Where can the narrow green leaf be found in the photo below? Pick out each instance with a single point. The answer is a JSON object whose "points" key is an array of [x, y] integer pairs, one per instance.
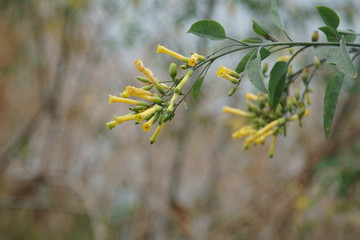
{"points": [[253, 69], [277, 82], [208, 29], [329, 16], [275, 15], [252, 40], [331, 96], [264, 53], [330, 33], [260, 29], [197, 86], [339, 57]]}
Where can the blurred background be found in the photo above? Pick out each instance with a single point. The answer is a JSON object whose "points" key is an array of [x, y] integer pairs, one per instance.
{"points": [[63, 175]]}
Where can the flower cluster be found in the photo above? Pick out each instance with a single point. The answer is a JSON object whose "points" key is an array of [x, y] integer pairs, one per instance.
{"points": [[154, 107], [264, 121]]}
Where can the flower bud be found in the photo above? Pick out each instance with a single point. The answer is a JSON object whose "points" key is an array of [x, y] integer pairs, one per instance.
{"points": [[172, 70], [315, 36], [232, 91], [291, 50], [185, 66], [143, 79], [253, 108], [317, 62], [147, 87], [305, 75]]}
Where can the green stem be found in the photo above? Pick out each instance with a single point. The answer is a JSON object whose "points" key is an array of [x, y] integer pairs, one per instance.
{"points": [[272, 44]]}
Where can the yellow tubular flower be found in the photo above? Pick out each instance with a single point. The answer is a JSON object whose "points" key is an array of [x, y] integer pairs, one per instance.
{"points": [[236, 111], [171, 103], [162, 49], [260, 139], [155, 99], [283, 58], [147, 125], [148, 73], [221, 72], [229, 71], [263, 131], [156, 133], [243, 132], [250, 96], [183, 81], [195, 58], [272, 146], [164, 86], [113, 99], [121, 119], [141, 116], [111, 125], [134, 91], [198, 56]]}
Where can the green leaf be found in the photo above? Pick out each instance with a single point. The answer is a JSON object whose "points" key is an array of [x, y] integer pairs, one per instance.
{"points": [[253, 69], [208, 29], [330, 33], [277, 82], [331, 96], [275, 15], [260, 29], [252, 40], [349, 35], [264, 53], [197, 86], [340, 58], [329, 16]]}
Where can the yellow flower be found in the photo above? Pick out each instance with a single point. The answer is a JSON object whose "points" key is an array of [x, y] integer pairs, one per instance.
{"points": [[148, 73], [250, 96], [134, 91], [156, 133], [272, 146], [147, 125], [225, 73], [171, 103], [261, 139], [113, 99], [192, 61], [162, 49], [121, 119], [236, 111], [145, 114], [284, 58], [141, 93], [263, 132], [195, 58], [111, 125], [183, 81], [229, 71], [243, 132]]}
